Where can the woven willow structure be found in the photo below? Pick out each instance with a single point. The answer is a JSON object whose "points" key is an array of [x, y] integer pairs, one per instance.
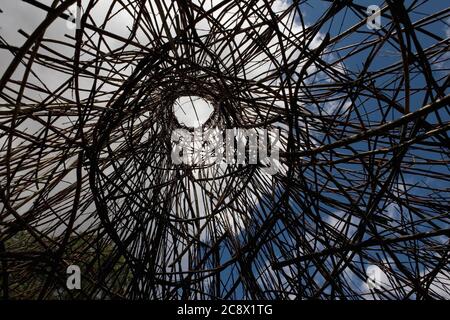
{"points": [[359, 207]]}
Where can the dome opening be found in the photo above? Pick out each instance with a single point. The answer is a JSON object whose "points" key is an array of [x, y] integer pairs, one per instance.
{"points": [[192, 111]]}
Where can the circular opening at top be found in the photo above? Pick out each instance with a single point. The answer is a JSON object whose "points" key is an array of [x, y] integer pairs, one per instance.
{"points": [[192, 111]]}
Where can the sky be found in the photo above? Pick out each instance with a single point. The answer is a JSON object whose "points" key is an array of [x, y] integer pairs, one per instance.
{"points": [[17, 15]]}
